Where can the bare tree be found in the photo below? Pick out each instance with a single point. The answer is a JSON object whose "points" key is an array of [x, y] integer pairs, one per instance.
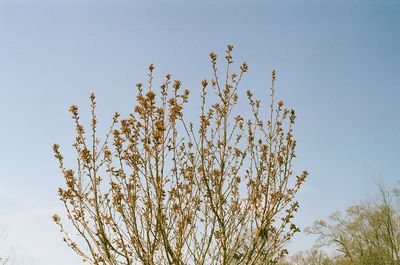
{"points": [[161, 190], [368, 233], [313, 256]]}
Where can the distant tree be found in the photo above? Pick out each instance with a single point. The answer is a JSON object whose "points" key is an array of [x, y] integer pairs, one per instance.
{"points": [[311, 257], [315, 256], [161, 190], [368, 233]]}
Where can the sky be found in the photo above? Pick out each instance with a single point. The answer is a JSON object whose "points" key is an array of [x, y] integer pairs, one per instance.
{"points": [[338, 65]]}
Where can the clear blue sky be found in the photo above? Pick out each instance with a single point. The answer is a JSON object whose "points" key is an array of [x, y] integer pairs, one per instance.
{"points": [[338, 65]]}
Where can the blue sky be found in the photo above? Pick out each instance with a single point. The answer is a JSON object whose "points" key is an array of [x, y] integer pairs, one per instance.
{"points": [[338, 65]]}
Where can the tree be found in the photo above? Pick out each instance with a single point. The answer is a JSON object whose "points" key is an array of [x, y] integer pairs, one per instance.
{"points": [[311, 257], [161, 190], [369, 233]]}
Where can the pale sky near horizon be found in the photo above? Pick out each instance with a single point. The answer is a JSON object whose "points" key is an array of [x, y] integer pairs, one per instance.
{"points": [[338, 65]]}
